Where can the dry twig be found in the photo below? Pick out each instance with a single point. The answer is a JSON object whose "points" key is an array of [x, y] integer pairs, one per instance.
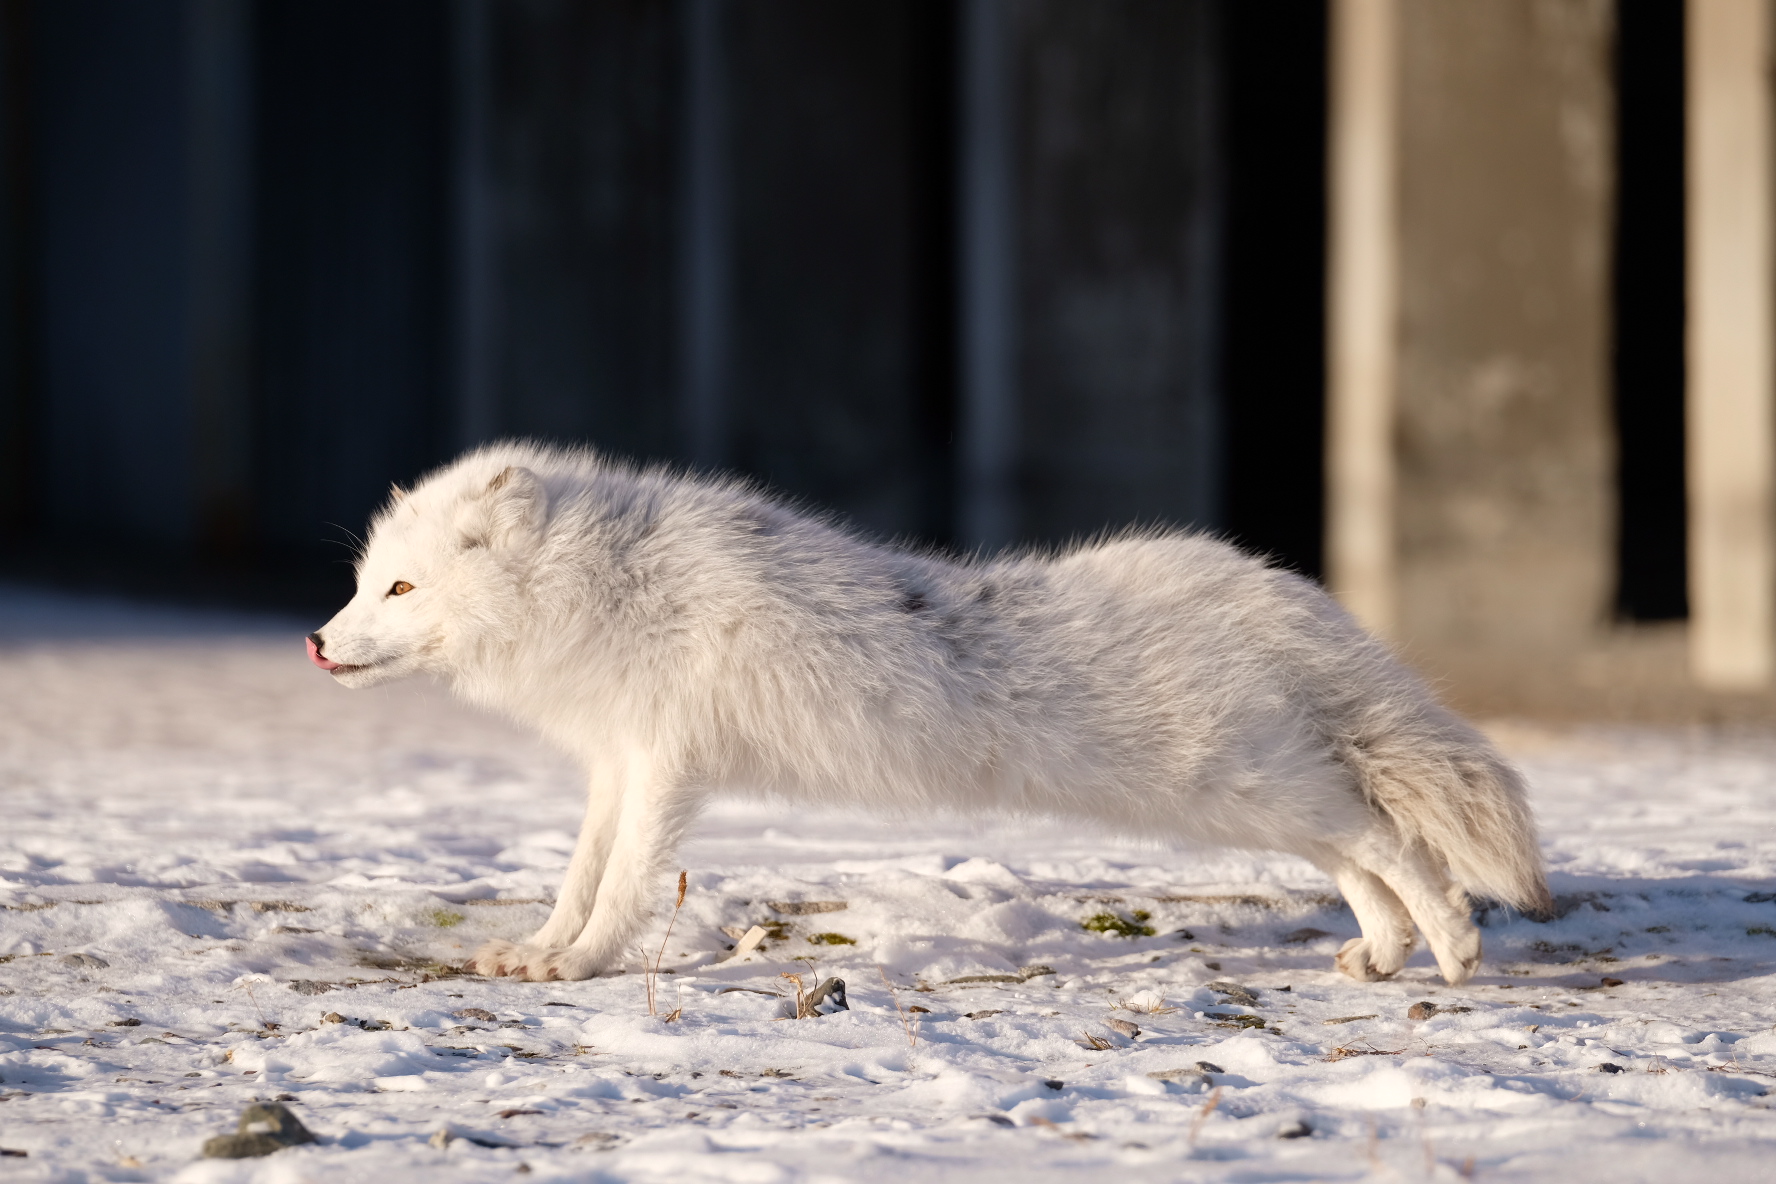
{"points": [[1202, 1115], [651, 974], [905, 1020]]}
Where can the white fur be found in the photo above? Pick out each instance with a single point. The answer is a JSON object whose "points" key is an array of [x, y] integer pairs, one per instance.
{"points": [[682, 636]]}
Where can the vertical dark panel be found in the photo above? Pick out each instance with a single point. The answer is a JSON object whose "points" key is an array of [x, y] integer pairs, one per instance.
{"points": [[18, 395], [841, 385], [582, 150], [351, 242], [1649, 312], [114, 431], [933, 288], [1120, 232], [1273, 55]]}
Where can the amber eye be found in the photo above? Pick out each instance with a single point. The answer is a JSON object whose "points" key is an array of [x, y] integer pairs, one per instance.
{"points": [[400, 588]]}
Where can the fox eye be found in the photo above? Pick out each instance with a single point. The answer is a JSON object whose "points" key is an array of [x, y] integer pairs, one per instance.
{"points": [[400, 588]]}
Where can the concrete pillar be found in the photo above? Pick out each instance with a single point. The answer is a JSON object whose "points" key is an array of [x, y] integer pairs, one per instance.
{"points": [[1470, 450], [1362, 322], [1731, 436]]}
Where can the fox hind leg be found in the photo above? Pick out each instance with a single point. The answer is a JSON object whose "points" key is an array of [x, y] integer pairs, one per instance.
{"points": [[1387, 925]]}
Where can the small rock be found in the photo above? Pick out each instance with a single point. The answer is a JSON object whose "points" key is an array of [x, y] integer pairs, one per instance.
{"points": [[1424, 1009], [333, 1017], [475, 1013], [1294, 1130], [1209, 1067], [1612, 982], [804, 908], [13, 1153], [131, 1022], [1302, 937], [915, 1009], [1125, 1027], [997, 1119], [981, 1015], [1053, 1083], [84, 961], [1184, 935], [1234, 993], [264, 1128], [1034, 970], [1606, 1067], [303, 986], [825, 999]]}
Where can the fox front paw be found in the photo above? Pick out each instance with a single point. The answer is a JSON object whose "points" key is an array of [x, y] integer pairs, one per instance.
{"points": [[509, 959], [531, 963], [1358, 958]]}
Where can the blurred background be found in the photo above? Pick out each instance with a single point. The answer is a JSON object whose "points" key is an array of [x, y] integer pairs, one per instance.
{"points": [[1463, 306]]}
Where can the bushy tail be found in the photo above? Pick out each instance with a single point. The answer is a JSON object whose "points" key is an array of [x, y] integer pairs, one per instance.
{"points": [[1444, 784]]}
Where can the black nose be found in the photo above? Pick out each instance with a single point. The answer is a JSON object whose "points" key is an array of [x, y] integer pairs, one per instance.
{"points": [[318, 643]]}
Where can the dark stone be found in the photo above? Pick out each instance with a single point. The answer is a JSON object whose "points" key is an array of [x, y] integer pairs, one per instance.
{"points": [[1235, 993], [1210, 1067], [303, 986], [1606, 1067], [1295, 1130], [1612, 982], [1052, 1083], [264, 1128], [475, 1013]]}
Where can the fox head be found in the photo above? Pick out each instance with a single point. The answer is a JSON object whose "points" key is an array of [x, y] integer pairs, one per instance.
{"points": [[439, 577]]}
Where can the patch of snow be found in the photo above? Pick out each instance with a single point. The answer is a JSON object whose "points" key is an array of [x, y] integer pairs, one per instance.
{"points": [[223, 878]]}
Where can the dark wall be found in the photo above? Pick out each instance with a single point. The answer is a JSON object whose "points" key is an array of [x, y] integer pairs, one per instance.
{"points": [[110, 178], [353, 204], [581, 157], [1120, 205], [839, 199], [467, 221]]}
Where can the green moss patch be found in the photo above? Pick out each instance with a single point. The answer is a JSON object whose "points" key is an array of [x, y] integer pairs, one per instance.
{"points": [[1134, 925]]}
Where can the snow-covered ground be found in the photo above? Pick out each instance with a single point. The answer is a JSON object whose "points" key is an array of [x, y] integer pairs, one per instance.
{"points": [[205, 848]]}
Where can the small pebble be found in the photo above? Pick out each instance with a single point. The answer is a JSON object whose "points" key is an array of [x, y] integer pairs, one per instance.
{"points": [[264, 1128], [1424, 1009], [1606, 1067], [1612, 982], [1051, 1083], [84, 961], [1210, 1067], [469, 1013], [1234, 993], [303, 986], [1126, 1028], [1294, 1130]]}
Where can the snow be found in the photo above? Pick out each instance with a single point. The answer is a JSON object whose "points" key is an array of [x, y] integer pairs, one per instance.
{"points": [[196, 810]]}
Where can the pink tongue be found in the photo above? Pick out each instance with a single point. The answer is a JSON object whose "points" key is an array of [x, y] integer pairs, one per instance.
{"points": [[314, 655]]}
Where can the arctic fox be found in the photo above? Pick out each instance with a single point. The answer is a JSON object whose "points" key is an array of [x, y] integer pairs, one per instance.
{"points": [[682, 636]]}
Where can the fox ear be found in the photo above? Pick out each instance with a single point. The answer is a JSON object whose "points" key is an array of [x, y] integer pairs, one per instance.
{"points": [[507, 513]]}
